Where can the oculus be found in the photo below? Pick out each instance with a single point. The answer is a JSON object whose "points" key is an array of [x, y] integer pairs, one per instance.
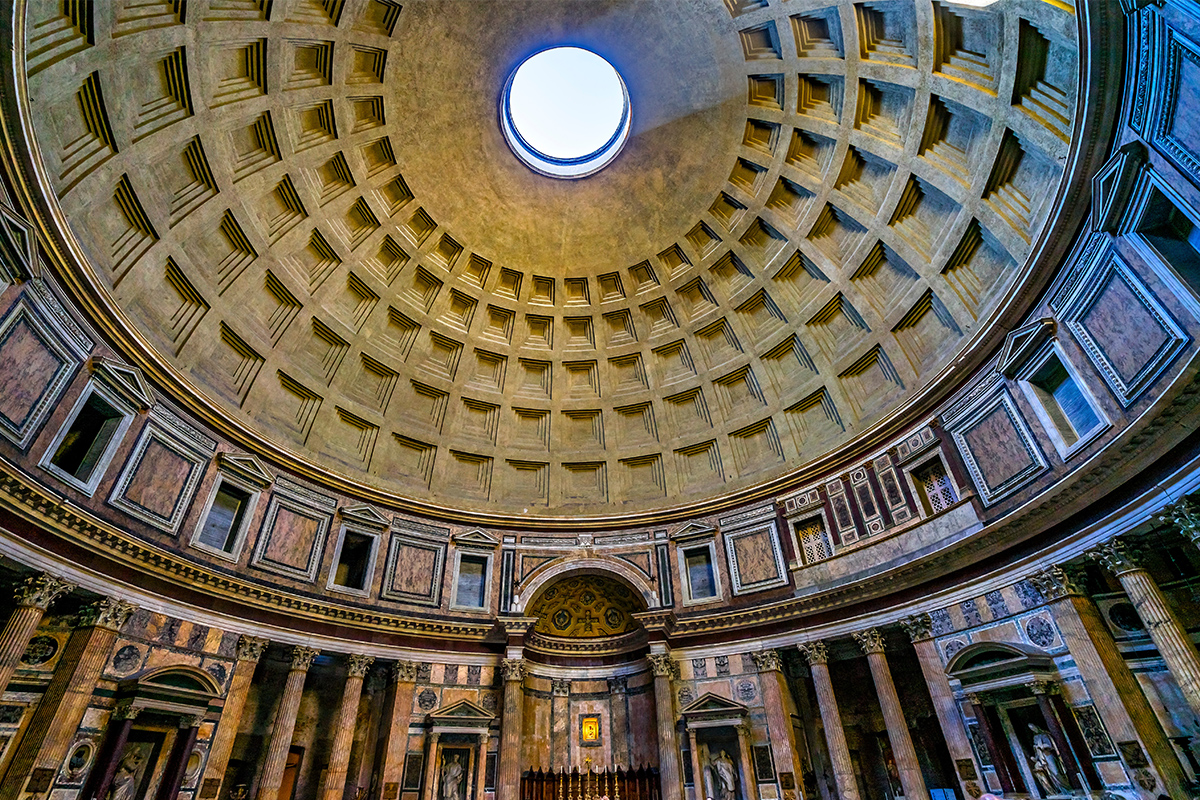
{"points": [[565, 112]]}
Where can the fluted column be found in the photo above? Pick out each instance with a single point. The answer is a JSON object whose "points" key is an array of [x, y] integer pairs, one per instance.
{"points": [[1168, 633], [509, 783], [431, 766], [665, 668], [784, 748], [285, 724], [343, 733], [831, 720], [185, 740], [999, 753], [249, 651], [481, 766], [560, 697], [33, 596], [893, 716], [618, 708], [1116, 692], [58, 714], [919, 628], [396, 718]]}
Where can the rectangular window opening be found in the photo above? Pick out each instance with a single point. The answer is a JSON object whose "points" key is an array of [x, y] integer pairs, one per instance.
{"points": [[88, 437], [472, 578], [702, 578], [1064, 401], [814, 540], [934, 487], [1173, 234], [225, 517], [354, 560]]}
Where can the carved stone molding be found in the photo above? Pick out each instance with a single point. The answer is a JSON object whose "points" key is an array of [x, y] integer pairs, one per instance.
{"points": [[767, 661], [618, 685], [560, 687], [107, 613], [870, 640], [39, 591], [1114, 557], [918, 626], [1184, 515], [250, 648], [359, 665], [1042, 687], [513, 668], [302, 657], [126, 711], [814, 652], [404, 672]]}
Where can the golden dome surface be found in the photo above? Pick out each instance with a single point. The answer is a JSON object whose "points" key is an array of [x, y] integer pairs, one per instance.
{"points": [[303, 220]]}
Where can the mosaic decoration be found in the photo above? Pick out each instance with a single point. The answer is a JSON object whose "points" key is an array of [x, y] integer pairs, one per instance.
{"points": [[584, 607]]}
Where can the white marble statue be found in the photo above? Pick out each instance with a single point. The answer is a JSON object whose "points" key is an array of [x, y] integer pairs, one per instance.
{"points": [[723, 776], [1046, 764], [452, 779]]}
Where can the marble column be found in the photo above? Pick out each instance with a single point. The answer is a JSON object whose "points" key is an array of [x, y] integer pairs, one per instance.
{"points": [[481, 766], [396, 718], [919, 628], [831, 720], [618, 709], [104, 768], [34, 595], [343, 732], [185, 740], [249, 651], [1168, 633], [560, 699], [784, 748], [508, 783], [745, 744], [903, 751], [431, 765], [52, 727], [1000, 755], [669, 773], [285, 724], [699, 791], [1115, 690]]}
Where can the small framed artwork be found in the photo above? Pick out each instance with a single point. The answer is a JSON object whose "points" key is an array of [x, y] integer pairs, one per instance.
{"points": [[589, 730]]}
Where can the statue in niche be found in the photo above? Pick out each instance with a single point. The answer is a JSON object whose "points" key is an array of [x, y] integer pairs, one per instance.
{"points": [[125, 781], [723, 777], [452, 779], [1046, 765]]}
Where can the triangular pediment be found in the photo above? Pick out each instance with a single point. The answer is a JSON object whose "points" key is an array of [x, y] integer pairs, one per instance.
{"points": [[713, 706], [464, 711], [1022, 343], [16, 244], [692, 529], [1113, 185], [476, 538], [246, 467], [129, 382], [365, 515]]}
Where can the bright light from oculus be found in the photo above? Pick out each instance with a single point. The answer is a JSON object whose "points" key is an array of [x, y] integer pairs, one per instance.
{"points": [[565, 112]]}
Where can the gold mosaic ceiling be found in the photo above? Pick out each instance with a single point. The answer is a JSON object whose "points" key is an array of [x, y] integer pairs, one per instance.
{"points": [[585, 607], [306, 210]]}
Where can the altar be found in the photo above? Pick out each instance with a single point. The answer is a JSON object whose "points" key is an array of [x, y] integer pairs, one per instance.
{"points": [[456, 752]]}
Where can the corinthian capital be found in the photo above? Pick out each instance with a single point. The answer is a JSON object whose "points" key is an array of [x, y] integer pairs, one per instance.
{"points": [[1114, 557], [663, 666], [39, 591], [767, 661], [1184, 515], [302, 657], [250, 648], [1054, 583], [814, 652], [404, 671], [918, 626], [513, 669], [357, 665], [107, 613], [870, 640], [560, 687]]}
